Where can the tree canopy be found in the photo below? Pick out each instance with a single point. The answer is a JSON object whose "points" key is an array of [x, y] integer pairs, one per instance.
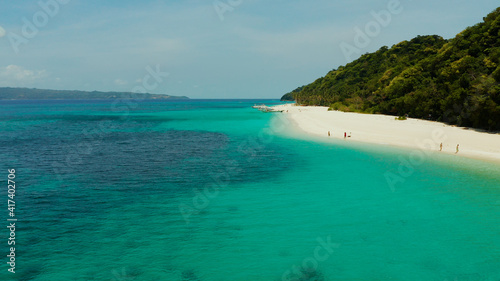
{"points": [[456, 81]]}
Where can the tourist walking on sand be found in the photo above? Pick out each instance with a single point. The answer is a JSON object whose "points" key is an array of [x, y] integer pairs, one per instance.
{"points": [[457, 148], [345, 135], [441, 147], [328, 133]]}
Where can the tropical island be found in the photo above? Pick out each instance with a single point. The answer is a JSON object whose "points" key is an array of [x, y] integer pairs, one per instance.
{"points": [[427, 94], [455, 81], [7, 93]]}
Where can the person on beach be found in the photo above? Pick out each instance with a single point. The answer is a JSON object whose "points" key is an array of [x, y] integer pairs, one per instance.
{"points": [[328, 133], [457, 148], [345, 135], [441, 147]]}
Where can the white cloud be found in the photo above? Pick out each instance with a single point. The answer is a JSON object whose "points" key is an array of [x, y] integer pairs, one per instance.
{"points": [[18, 76], [120, 82], [2, 32]]}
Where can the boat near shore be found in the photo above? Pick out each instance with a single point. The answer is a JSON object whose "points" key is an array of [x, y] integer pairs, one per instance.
{"points": [[265, 108]]}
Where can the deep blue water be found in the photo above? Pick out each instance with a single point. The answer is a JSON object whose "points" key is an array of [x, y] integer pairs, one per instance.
{"points": [[213, 190]]}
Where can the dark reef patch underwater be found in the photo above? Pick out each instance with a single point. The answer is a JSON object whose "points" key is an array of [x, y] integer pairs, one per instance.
{"points": [[205, 190]]}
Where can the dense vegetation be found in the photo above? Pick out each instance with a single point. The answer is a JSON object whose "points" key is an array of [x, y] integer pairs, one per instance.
{"points": [[455, 81], [37, 94], [289, 96]]}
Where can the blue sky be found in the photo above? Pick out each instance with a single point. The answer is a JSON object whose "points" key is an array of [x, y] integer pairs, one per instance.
{"points": [[210, 49]]}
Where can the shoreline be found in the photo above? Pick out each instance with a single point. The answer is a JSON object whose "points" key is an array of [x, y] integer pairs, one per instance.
{"points": [[385, 130]]}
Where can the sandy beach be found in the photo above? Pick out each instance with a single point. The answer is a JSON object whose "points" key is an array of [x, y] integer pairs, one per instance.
{"points": [[385, 130]]}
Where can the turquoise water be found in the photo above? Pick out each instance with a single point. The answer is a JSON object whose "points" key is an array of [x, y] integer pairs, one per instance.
{"points": [[214, 190]]}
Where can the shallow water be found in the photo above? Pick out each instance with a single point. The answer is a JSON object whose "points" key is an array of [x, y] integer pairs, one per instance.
{"points": [[209, 190]]}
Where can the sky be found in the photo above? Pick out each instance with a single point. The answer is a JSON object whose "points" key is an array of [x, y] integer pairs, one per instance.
{"points": [[208, 49]]}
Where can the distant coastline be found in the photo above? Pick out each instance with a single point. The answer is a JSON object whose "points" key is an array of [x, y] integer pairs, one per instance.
{"points": [[7, 93]]}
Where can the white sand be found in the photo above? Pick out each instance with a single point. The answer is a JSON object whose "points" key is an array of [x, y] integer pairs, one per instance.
{"points": [[384, 129]]}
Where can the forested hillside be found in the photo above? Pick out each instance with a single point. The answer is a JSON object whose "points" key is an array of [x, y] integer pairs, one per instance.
{"points": [[455, 81]]}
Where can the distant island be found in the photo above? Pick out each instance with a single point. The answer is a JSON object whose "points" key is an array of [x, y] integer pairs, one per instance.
{"points": [[7, 93], [456, 81]]}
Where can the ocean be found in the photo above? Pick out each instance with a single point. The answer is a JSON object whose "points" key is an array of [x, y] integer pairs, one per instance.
{"points": [[213, 190]]}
